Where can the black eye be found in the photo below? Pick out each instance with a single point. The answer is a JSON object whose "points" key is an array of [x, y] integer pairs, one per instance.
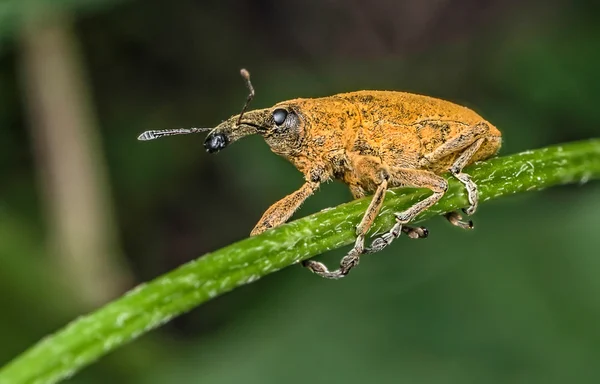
{"points": [[279, 116]]}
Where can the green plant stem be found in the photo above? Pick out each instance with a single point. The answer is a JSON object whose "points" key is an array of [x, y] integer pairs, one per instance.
{"points": [[151, 304]]}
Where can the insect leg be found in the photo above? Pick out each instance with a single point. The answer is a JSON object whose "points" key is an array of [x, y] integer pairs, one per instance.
{"points": [[468, 142], [464, 178], [353, 257], [456, 219], [282, 210], [456, 144], [411, 178]]}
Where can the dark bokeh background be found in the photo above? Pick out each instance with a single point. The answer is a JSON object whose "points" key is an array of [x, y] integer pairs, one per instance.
{"points": [[86, 211]]}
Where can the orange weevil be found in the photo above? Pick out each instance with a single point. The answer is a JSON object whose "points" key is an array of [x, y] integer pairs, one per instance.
{"points": [[370, 140]]}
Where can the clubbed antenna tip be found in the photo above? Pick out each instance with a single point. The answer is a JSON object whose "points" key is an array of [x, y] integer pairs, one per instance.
{"points": [[246, 75]]}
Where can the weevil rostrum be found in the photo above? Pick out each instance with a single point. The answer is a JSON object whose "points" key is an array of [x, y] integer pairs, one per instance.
{"points": [[371, 141]]}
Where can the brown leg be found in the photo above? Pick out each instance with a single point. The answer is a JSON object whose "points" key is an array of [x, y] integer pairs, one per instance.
{"points": [[282, 210], [456, 219], [464, 178], [456, 144], [411, 178], [473, 195], [415, 232], [353, 257], [411, 232], [469, 143]]}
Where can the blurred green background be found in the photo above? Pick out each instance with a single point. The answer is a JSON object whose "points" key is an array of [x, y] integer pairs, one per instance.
{"points": [[87, 212]]}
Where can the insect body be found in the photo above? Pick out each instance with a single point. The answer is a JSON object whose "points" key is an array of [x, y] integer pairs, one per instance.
{"points": [[370, 140]]}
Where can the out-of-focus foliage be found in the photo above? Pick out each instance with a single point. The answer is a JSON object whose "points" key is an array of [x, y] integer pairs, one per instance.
{"points": [[14, 13], [514, 300]]}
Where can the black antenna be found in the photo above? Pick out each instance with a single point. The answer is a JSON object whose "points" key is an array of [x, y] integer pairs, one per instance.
{"points": [[246, 75], [151, 135]]}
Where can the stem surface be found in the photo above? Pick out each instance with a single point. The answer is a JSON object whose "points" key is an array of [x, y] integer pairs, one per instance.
{"points": [[151, 304]]}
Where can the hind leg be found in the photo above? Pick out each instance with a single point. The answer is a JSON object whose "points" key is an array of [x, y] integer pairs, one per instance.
{"points": [[456, 170], [467, 143]]}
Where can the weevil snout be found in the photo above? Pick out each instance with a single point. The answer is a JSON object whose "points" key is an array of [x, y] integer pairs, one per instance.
{"points": [[215, 142]]}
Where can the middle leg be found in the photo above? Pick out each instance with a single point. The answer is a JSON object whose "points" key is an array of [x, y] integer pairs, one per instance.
{"points": [[368, 171], [412, 232], [409, 177], [353, 257]]}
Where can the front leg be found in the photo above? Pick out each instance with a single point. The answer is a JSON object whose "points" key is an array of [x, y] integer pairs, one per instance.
{"points": [[282, 210]]}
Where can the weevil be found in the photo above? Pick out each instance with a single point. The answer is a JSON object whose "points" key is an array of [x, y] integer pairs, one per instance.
{"points": [[369, 140]]}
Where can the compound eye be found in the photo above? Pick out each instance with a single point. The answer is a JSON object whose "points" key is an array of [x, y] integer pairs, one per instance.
{"points": [[279, 116]]}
